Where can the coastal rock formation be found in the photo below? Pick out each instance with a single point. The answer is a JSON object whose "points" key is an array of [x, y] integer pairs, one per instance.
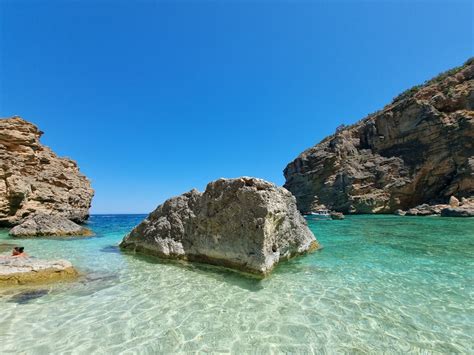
{"points": [[426, 210], [418, 149], [21, 271], [34, 180], [467, 211], [40, 225], [246, 223], [336, 215], [455, 208]]}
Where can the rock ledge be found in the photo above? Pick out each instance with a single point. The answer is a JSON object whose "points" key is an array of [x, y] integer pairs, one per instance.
{"points": [[21, 271], [45, 225]]}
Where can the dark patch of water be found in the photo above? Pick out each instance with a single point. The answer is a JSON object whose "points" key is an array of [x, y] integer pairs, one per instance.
{"points": [[111, 249], [28, 296]]}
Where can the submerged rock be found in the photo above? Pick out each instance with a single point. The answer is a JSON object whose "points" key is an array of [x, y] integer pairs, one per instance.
{"points": [[46, 225], [21, 271], [418, 149], [35, 180], [245, 223]]}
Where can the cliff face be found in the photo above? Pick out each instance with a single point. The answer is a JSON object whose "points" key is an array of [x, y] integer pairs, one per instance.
{"points": [[418, 149], [34, 180]]}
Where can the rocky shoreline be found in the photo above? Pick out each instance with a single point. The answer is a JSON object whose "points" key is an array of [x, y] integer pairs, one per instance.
{"points": [[455, 208]]}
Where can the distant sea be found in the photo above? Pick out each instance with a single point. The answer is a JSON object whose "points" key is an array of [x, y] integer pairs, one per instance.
{"points": [[381, 284]]}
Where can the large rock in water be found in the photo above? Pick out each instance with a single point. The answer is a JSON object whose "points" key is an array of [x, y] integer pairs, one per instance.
{"points": [[34, 180], [22, 271], [246, 224], [418, 149], [48, 225]]}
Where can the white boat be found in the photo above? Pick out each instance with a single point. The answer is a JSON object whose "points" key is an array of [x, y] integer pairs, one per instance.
{"points": [[320, 214]]}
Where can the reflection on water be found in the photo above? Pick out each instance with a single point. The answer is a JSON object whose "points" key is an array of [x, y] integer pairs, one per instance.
{"points": [[382, 283]]}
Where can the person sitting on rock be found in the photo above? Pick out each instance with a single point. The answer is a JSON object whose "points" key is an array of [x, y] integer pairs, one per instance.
{"points": [[19, 252]]}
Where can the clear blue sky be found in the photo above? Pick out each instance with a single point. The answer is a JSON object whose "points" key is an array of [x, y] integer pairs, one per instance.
{"points": [[153, 98]]}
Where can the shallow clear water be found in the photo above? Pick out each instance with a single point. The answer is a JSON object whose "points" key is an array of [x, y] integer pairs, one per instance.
{"points": [[382, 283]]}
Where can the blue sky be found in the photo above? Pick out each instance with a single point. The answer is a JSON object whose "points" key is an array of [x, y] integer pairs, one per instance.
{"points": [[153, 98]]}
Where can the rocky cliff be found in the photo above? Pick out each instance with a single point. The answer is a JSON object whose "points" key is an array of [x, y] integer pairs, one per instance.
{"points": [[34, 180], [418, 149]]}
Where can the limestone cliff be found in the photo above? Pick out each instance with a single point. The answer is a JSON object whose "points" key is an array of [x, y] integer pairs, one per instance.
{"points": [[34, 180], [418, 149]]}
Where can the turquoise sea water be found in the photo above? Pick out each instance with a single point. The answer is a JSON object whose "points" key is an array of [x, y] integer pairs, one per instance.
{"points": [[382, 283]]}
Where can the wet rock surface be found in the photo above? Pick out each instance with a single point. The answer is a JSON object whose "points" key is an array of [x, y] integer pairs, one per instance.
{"points": [[34, 180], [418, 150], [246, 224]]}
